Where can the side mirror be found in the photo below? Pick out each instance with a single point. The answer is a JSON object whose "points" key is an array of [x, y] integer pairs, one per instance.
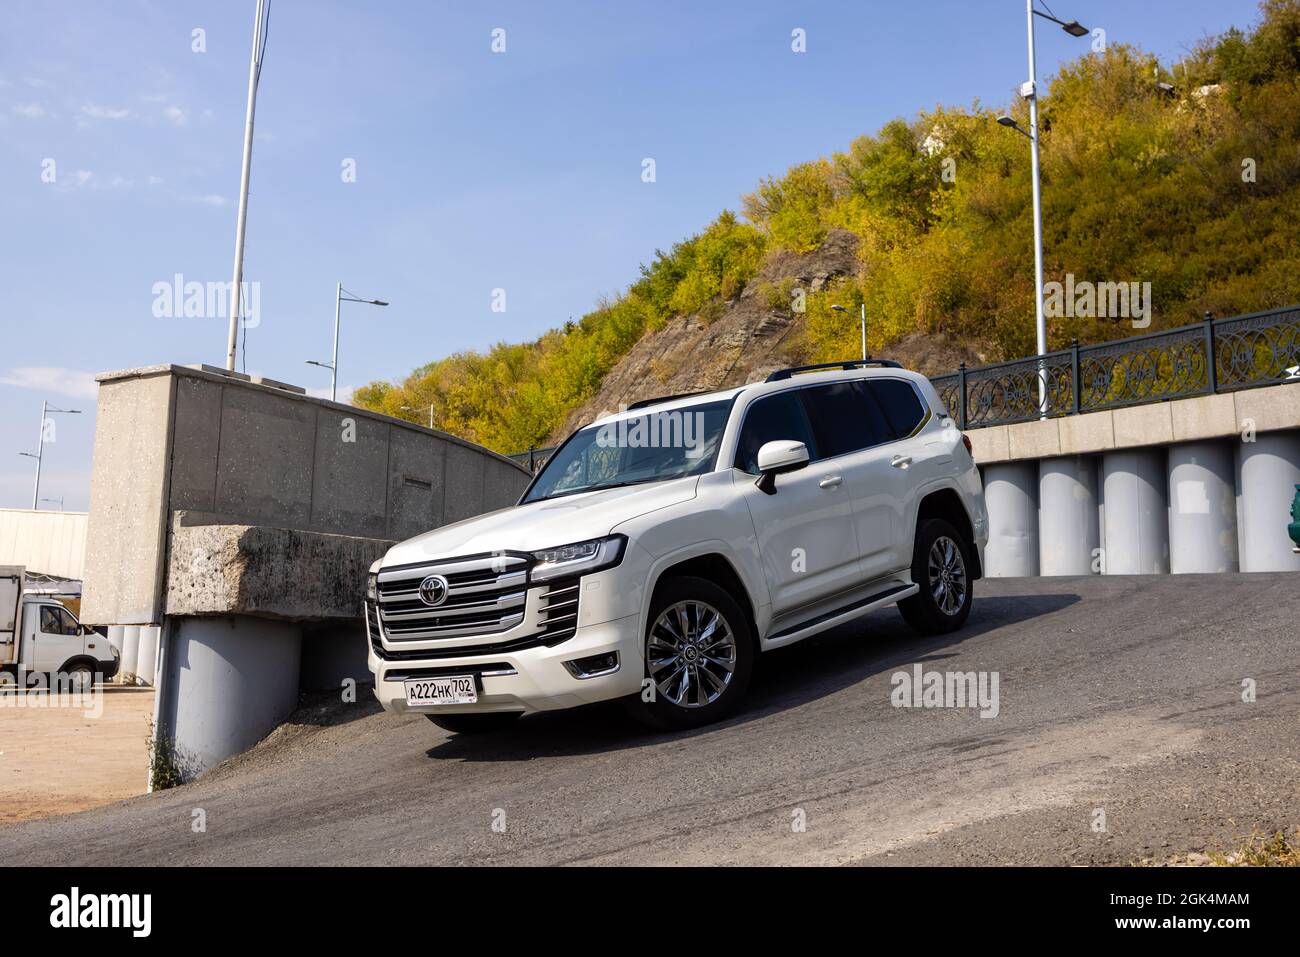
{"points": [[775, 458]]}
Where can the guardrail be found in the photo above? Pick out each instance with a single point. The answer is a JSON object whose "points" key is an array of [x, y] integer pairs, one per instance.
{"points": [[1216, 355]]}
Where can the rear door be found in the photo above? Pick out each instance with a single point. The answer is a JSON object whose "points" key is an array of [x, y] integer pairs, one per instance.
{"points": [[853, 433], [916, 455], [806, 535], [11, 594]]}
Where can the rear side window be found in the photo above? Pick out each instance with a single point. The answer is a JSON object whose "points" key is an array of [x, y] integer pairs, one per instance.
{"points": [[844, 419], [772, 419], [900, 403]]}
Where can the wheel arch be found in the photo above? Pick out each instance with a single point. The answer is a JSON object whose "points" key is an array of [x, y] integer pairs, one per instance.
{"points": [[946, 503], [718, 569]]}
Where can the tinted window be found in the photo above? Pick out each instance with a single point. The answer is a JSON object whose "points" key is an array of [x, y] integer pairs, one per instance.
{"points": [[844, 419], [771, 419], [900, 404]]}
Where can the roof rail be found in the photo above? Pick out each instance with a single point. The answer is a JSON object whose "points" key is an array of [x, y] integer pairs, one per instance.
{"points": [[780, 374], [662, 399]]}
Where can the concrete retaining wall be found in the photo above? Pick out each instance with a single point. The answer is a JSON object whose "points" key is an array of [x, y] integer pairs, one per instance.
{"points": [[245, 453]]}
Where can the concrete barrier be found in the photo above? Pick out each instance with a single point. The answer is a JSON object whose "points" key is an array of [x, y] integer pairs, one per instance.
{"points": [[241, 516]]}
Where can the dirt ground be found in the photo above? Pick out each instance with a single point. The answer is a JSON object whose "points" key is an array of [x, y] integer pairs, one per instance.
{"points": [[60, 760]]}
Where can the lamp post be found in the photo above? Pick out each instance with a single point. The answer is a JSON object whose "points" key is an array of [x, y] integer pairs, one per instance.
{"points": [[46, 409], [413, 408], [1030, 92], [839, 308], [333, 365]]}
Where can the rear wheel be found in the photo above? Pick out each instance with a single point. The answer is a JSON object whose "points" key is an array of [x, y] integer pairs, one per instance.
{"points": [[475, 723], [699, 654], [940, 566]]}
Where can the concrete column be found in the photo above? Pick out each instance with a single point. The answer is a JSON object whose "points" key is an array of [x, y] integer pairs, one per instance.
{"points": [[148, 655], [227, 683], [1137, 515], [115, 636], [1202, 508], [1068, 529], [1268, 471], [130, 652], [1011, 497]]}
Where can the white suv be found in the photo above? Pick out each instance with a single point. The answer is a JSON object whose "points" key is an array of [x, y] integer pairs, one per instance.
{"points": [[662, 549]]}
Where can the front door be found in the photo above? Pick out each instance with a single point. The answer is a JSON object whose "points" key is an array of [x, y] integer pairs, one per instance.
{"points": [[805, 531], [54, 640]]}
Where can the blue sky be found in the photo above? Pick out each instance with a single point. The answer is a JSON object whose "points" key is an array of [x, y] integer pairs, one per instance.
{"points": [[475, 170]]}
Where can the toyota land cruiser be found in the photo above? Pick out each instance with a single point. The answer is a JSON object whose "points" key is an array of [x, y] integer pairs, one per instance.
{"points": [[663, 548]]}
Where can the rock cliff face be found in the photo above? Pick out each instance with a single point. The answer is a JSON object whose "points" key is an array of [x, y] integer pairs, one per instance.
{"points": [[747, 338]]}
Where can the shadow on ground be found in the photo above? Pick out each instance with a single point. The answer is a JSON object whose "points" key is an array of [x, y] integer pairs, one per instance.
{"points": [[784, 679]]}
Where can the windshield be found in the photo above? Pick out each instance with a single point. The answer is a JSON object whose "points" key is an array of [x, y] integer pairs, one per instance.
{"points": [[644, 448]]}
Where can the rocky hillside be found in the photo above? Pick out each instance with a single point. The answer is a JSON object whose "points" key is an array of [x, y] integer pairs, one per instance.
{"points": [[750, 336]]}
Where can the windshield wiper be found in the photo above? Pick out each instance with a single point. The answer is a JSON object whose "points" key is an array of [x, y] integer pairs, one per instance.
{"points": [[602, 486]]}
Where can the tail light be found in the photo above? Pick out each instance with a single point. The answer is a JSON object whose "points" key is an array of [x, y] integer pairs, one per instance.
{"points": [[965, 440]]}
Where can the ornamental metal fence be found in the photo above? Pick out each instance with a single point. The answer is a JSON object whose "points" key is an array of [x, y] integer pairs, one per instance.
{"points": [[1213, 356]]}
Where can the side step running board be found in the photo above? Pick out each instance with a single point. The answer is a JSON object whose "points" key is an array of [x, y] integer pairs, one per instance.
{"points": [[836, 616]]}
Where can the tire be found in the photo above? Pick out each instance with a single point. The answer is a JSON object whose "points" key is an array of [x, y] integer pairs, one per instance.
{"points": [[941, 562], [475, 723], [691, 687], [80, 677]]}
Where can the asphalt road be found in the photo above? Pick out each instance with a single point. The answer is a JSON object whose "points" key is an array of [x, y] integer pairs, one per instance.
{"points": [[1120, 696]]}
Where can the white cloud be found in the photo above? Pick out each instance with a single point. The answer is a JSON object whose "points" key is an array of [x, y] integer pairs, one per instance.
{"points": [[345, 393], [33, 110], [104, 112], [54, 380], [83, 176], [177, 115], [211, 199]]}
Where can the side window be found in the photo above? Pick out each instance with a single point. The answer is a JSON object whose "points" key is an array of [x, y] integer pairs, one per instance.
{"points": [[844, 419], [56, 621], [772, 419], [900, 403]]}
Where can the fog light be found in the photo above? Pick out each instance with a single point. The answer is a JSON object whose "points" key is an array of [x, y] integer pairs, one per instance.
{"points": [[594, 666]]}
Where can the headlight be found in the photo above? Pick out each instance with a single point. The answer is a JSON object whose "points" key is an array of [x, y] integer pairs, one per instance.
{"points": [[580, 558], [372, 586]]}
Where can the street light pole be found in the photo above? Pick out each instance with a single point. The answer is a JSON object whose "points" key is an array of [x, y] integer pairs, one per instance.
{"points": [[40, 449], [864, 330], [254, 75], [1040, 320], [334, 363]]}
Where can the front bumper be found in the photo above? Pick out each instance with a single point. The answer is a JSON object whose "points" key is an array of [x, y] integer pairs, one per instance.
{"points": [[540, 680]]}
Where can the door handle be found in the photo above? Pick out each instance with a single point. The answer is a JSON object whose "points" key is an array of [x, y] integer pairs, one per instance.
{"points": [[901, 461], [831, 481]]}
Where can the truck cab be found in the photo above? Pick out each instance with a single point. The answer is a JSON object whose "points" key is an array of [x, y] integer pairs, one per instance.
{"points": [[39, 636]]}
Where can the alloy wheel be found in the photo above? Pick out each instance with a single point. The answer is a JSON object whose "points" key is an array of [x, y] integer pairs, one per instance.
{"points": [[947, 572], [691, 654]]}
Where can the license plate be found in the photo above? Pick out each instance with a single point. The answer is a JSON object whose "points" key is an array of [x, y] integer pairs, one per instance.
{"points": [[453, 689]]}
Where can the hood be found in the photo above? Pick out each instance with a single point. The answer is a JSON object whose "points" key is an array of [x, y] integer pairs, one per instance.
{"points": [[545, 524]]}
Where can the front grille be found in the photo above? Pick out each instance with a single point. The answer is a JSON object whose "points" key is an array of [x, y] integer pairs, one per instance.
{"points": [[486, 595]]}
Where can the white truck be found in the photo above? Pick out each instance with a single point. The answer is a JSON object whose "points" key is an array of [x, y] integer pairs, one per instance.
{"points": [[40, 637]]}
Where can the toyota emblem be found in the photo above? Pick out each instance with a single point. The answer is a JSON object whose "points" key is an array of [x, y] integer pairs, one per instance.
{"points": [[433, 590]]}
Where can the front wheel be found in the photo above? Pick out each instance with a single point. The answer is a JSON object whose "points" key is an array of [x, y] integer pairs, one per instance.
{"points": [[940, 566], [699, 654]]}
